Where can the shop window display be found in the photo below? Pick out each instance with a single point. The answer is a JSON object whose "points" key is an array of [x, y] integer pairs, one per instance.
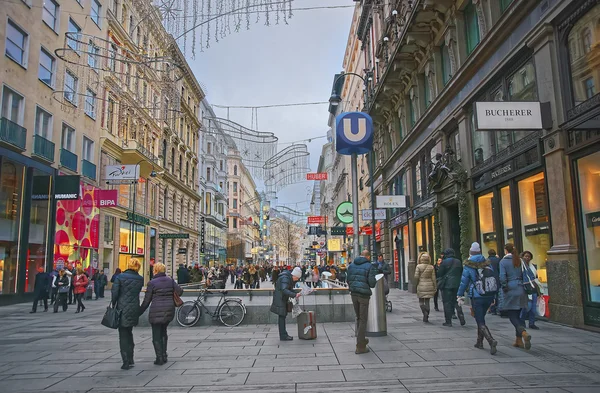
{"points": [[38, 228], [131, 246], [419, 236], [535, 227], [486, 223], [583, 55], [507, 221], [11, 185], [589, 185]]}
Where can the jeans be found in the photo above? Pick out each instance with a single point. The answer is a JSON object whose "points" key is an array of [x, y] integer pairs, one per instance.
{"points": [[514, 316], [480, 306], [450, 302], [78, 299], [529, 312], [361, 309], [40, 296], [61, 298], [281, 324]]}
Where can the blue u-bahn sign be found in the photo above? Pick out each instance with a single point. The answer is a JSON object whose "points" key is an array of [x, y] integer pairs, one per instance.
{"points": [[354, 133]]}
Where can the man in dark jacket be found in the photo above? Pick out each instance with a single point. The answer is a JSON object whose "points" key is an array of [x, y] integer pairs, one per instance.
{"points": [[183, 275], [40, 289], [449, 274], [284, 290], [126, 298], [361, 278], [495, 263]]}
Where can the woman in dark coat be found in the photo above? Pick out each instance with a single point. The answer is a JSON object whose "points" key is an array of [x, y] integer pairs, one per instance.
{"points": [[126, 298], [284, 290], [162, 311], [61, 282]]}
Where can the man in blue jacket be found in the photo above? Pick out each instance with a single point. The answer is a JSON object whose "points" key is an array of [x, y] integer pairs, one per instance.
{"points": [[361, 278]]}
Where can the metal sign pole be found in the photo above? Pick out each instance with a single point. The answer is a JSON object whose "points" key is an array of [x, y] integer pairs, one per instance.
{"points": [[354, 168], [373, 220]]}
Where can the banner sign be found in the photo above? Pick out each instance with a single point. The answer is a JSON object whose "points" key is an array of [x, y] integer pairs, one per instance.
{"points": [[182, 251], [316, 220], [122, 172], [537, 229], [367, 214], [316, 176], [105, 198], [338, 231], [67, 188], [139, 219], [391, 201], [173, 235], [498, 115], [396, 267], [366, 230]]}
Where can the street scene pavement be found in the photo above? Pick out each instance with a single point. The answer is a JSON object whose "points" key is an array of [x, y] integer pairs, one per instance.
{"points": [[68, 352]]}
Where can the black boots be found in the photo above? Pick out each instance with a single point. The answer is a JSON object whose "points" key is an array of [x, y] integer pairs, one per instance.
{"points": [[488, 336], [461, 316], [425, 311], [479, 343], [158, 350], [126, 364], [165, 339]]}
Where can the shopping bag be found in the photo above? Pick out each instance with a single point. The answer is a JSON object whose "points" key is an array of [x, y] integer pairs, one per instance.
{"points": [[296, 310], [540, 306], [112, 318]]}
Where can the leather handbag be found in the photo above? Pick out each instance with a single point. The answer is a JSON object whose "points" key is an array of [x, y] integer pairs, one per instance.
{"points": [[176, 298], [112, 317], [63, 289]]}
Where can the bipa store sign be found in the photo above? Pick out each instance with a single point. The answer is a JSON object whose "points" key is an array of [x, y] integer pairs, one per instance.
{"points": [[122, 172], [105, 198]]}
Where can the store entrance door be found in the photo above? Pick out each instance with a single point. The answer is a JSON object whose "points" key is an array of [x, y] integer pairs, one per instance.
{"points": [[454, 221]]}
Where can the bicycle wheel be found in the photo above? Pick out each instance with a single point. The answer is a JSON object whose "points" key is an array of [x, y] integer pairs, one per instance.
{"points": [[231, 313], [188, 314]]}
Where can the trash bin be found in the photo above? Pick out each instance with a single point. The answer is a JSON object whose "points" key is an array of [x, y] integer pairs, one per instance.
{"points": [[376, 318]]}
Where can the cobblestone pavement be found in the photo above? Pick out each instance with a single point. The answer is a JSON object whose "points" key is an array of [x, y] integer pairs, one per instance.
{"points": [[68, 352]]}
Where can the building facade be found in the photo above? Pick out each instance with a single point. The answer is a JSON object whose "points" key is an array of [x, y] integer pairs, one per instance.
{"points": [[431, 62]]}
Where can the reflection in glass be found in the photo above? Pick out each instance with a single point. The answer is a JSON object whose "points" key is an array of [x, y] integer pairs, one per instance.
{"points": [[522, 87], [583, 54], [419, 235], [482, 143], [589, 187], [38, 228], [485, 204], [507, 223], [11, 184]]}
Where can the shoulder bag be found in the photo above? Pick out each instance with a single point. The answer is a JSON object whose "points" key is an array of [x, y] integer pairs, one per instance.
{"points": [[176, 298], [530, 286], [112, 317]]}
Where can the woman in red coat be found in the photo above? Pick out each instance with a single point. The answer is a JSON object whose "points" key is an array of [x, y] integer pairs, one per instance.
{"points": [[80, 283]]}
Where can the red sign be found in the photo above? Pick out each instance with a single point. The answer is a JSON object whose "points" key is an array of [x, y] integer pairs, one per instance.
{"points": [[124, 249], [396, 268], [316, 220], [316, 176], [140, 251], [378, 231], [105, 198], [366, 230]]}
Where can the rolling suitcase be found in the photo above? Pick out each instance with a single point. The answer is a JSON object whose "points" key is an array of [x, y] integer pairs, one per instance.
{"points": [[307, 325], [88, 292]]}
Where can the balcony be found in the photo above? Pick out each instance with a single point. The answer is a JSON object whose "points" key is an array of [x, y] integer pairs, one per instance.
{"points": [[134, 151], [68, 160], [43, 148], [12, 134], [88, 169]]}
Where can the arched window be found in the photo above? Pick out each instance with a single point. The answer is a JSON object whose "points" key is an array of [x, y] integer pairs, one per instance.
{"points": [[165, 203], [164, 151], [181, 211], [173, 206], [180, 163], [187, 172], [235, 170], [172, 160]]}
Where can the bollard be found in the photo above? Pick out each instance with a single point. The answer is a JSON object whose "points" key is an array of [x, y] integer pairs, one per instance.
{"points": [[377, 319]]}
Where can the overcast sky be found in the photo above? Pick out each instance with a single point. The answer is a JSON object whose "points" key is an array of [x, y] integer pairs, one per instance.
{"points": [[280, 64]]}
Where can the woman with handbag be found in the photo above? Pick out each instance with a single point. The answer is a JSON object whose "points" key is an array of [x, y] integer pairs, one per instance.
{"points": [[80, 283], [62, 283], [514, 296], [162, 295], [530, 280]]}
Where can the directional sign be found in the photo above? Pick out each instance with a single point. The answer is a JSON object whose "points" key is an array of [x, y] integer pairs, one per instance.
{"points": [[316, 220], [354, 132]]}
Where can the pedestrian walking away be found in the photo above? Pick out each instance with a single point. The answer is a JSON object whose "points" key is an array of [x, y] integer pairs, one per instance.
{"points": [[62, 283], [481, 295], [448, 279], [361, 278], [70, 272], [495, 263], [126, 298], [160, 297], [80, 282], [100, 282], [40, 289], [530, 275], [284, 291], [115, 275], [514, 296], [426, 283]]}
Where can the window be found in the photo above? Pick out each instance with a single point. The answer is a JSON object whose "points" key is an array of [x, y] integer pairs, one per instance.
{"points": [[209, 148], [471, 27], [110, 118], [112, 55], [50, 14], [90, 104], [482, 143], [454, 142], [446, 66], [115, 7], [16, 43], [235, 187], [88, 149], [71, 82], [67, 138], [207, 174], [235, 170], [590, 89], [426, 92], [47, 67], [13, 105], [43, 123], [411, 109], [93, 52], [504, 4], [418, 182], [235, 223], [586, 40], [235, 203], [221, 165], [73, 37], [95, 11]]}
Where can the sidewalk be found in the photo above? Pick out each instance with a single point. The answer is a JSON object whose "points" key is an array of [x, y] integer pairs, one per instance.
{"points": [[68, 352]]}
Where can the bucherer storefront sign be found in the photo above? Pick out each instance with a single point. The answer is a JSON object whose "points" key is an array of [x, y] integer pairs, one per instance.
{"points": [[491, 116]]}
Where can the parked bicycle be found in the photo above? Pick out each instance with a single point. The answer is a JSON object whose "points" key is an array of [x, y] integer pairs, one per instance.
{"points": [[230, 311]]}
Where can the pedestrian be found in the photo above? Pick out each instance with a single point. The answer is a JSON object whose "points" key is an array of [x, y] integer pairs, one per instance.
{"points": [[436, 296], [275, 274], [80, 282], [101, 281], [361, 278], [53, 288], [316, 277], [126, 298], [515, 298], [495, 263], [232, 274], [183, 275], [284, 290], [448, 280], [160, 297], [426, 283], [115, 275], [262, 273], [530, 270], [343, 274], [480, 302], [40, 289], [62, 283], [384, 268], [70, 272]]}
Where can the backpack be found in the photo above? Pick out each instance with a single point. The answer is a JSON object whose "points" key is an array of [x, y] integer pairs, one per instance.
{"points": [[486, 281]]}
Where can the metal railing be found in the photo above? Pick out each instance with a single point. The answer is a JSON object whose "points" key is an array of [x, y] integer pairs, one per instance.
{"points": [[43, 148], [88, 169], [68, 159], [12, 133]]}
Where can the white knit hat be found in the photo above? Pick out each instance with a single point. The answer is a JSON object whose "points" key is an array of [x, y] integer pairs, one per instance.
{"points": [[475, 248], [297, 272]]}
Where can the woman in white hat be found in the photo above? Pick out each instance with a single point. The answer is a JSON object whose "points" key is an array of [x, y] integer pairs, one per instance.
{"points": [[284, 290]]}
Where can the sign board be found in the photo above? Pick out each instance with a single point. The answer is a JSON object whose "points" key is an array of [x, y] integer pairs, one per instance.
{"points": [[138, 218], [354, 133], [338, 231], [390, 201], [139, 251], [344, 212], [202, 233], [124, 248], [593, 219], [490, 116], [396, 267], [182, 251], [105, 198], [40, 189], [334, 245], [537, 229], [366, 230], [367, 214], [67, 188], [122, 172], [173, 235], [316, 176], [316, 220], [313, 231]]}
